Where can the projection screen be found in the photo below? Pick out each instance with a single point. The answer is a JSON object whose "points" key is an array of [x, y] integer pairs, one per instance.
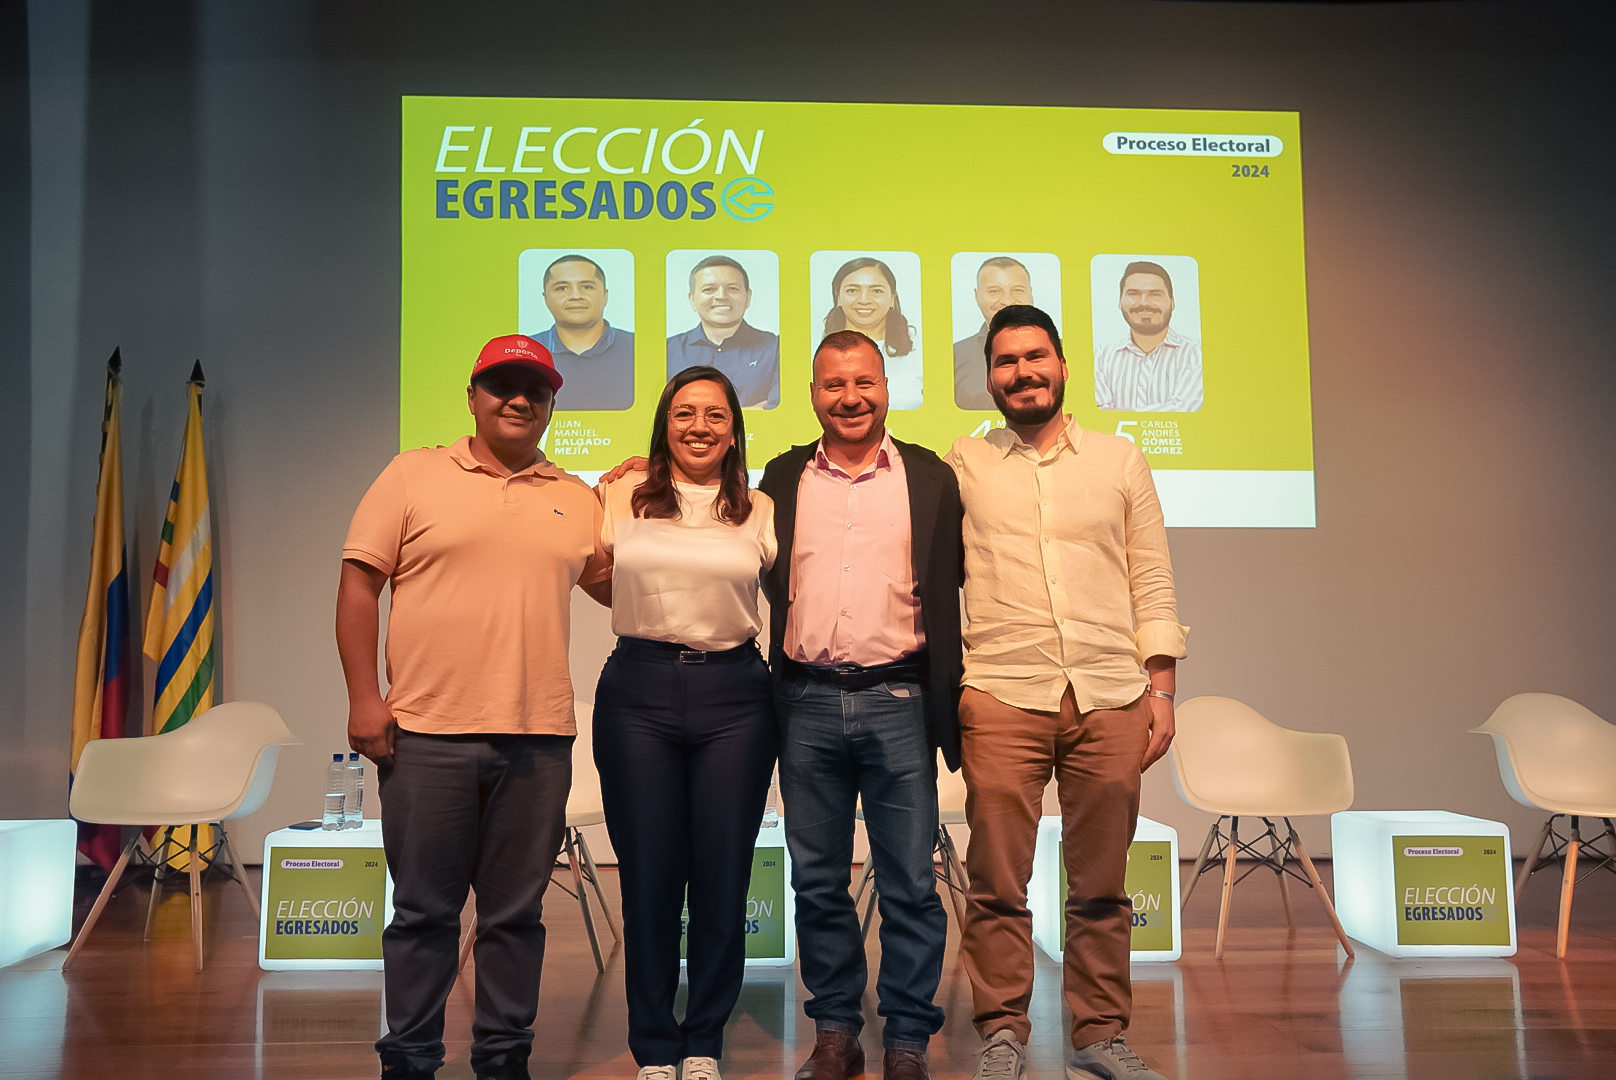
{"points": [[636, 237]]}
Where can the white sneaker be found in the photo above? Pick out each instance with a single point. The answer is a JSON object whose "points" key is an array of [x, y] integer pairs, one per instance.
{"points": [[699, 1068], [1109, 1060], [658, 1072], [1003, 1058]]}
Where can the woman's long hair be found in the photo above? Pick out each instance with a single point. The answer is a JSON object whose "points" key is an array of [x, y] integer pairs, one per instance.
{"points": [[898, 341], [656, 497]]}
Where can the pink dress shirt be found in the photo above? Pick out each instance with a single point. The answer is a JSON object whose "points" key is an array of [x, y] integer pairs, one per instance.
{"points": [[852, 579]]}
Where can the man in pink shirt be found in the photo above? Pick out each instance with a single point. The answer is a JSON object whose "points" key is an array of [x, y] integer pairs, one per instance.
{"points": [[864, 611]]}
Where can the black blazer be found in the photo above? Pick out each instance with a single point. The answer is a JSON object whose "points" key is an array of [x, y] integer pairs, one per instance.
{"points": [[934, 522]]}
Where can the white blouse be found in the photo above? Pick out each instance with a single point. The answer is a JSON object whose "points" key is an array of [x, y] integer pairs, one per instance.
{"points": [[691, 579]]}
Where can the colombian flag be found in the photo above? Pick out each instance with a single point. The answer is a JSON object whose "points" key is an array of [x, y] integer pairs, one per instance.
{"points": [[179, 621], [102, 675]]}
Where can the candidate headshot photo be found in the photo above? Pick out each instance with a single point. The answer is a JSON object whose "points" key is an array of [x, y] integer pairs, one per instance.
{"points": [[733, 300], [982, 282], [878, 294], [579, 304], [1147, 333]]}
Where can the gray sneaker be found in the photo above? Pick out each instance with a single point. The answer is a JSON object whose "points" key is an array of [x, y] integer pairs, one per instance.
{"points": [[1109, 1060], [1003, 1058]]}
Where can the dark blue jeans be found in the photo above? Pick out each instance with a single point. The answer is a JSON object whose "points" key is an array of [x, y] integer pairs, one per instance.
{"points": [[685, 751], [837, 745]]}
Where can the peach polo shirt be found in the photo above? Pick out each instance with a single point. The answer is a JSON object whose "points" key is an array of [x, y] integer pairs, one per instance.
{"points": [[1067, 577], [482, 568]]}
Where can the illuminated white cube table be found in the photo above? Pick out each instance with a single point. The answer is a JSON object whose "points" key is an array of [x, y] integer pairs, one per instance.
{"points": [[327, 896], [36, 886], [1423, 882], [771, 903], [1152, 882]]}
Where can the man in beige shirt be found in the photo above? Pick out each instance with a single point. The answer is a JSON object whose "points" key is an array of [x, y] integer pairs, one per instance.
{"points": [[481, 543], [1070, 647]]}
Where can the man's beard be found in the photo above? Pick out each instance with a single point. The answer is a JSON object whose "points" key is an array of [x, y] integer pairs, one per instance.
{"points": [[1031, 415], [1160, 320]]}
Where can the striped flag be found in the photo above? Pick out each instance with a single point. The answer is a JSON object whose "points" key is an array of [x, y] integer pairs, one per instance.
{"points": [[179, 620], [102, 674]]}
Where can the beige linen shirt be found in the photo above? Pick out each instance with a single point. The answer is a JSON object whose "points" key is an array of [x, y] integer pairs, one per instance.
{"points": [[482, 569], [1067, 578]]}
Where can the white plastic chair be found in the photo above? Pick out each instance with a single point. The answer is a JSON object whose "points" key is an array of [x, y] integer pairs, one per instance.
{"points": [[1231, 761], [218, 766], [1555, 755], [584, 807], [950, 811]]}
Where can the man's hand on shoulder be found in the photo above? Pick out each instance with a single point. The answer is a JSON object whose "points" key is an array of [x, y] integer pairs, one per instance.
{"points": [[633, 464], [371, 728]]}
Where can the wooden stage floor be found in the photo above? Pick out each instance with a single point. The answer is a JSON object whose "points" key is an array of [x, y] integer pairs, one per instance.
{"points": [[1281, 1003]]}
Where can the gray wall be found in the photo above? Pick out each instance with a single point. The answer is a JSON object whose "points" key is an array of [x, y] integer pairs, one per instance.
{"points": [[219, 180]]}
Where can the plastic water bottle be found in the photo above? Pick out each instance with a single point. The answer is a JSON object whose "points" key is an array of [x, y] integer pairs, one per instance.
{"points": [[336, 786], [353, 802]]}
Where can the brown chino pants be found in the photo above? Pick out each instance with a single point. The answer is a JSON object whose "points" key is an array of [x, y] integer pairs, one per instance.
{"points": [[1008, 755]]}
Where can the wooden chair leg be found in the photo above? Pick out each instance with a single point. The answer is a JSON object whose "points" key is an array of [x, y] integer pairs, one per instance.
{"points": [[160, 870], [868, 918], [1228, 885], [101, 901], [1568, 885], [1285, 895], [237, 871], [865, 879], [593, 873], [151, 904], [1532, 860], [1318, 887], [196, 898], [583, 900], [957, 881], [1200, 861], [466, 942]]}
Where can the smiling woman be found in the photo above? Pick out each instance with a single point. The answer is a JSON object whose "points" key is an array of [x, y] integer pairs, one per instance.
{"points": [[684, 722], [868, 292]]}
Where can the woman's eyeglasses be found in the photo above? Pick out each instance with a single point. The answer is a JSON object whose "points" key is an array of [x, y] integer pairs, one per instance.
{"points": [[685, 417]]}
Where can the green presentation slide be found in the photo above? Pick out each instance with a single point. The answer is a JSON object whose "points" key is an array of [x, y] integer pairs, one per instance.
{"points": [[636, 237]]}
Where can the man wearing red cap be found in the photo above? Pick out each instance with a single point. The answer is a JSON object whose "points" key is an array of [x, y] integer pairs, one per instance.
{"points": [[482, 543]]}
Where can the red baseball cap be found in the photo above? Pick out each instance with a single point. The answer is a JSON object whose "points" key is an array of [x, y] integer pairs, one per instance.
{"points": [[521, 350]]}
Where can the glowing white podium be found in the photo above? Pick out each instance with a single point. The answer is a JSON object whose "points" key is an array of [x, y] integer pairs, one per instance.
{"points": [[36, 886], [1423, 882], [326, 898], [1152, 882]]}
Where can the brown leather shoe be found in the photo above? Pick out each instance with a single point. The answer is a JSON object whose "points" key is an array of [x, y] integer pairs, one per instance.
{"points": [[837, 1056], [904, 1065]]}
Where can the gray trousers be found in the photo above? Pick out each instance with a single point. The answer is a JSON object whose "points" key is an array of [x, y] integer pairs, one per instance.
{"points": [[488, 812]]}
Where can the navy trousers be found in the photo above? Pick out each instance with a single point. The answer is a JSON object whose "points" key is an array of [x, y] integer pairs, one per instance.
{"points": [[685, 750]]}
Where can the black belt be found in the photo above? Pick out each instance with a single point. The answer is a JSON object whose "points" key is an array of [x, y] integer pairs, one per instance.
{"points": [[648, 649], [910, 669]]}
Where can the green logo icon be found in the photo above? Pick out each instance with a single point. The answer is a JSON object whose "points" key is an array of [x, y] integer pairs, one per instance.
{"points": [[747, 198]]}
